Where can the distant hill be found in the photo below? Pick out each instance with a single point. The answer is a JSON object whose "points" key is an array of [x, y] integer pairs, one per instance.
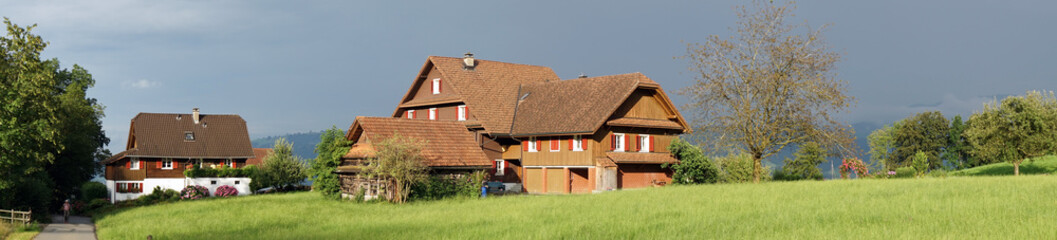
{"points": [[304, 143]]}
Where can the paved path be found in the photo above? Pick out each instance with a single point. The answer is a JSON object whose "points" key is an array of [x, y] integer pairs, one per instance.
{"points": [[79, 228]]}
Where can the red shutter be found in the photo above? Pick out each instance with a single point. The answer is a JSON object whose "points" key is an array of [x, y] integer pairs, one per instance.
{"points": [[493, 164], [612, 142], [583, 143], [440, 87], [537, 144], [467, 112], [414, 114], [571, 143], [524, 145], [651, 143], [141, 187], [405, 114], [128, 164], [174, 164], [638, 143], [159, 164], [627, 140], [234, 164]]}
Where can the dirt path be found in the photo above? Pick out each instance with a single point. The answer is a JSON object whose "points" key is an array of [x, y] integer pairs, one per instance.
{"points": [[79, 228]]}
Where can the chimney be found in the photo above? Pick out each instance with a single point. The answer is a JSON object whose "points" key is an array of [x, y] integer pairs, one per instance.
{"points": [[467, 61], [194, 114]]}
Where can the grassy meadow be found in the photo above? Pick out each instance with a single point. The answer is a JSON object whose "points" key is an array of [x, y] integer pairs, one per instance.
{"points": [[1022, 207], [1041, 165]]}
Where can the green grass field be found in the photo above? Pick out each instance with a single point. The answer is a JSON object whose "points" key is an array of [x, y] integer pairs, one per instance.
{"points": [[1041, 165], [1022, 207]]}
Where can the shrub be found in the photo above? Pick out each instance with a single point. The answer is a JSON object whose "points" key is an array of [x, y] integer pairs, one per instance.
{"points": [[282, 169], [158, 195], [96, 204], [440, 187], [805, 165], [194, 192], [693, 167], [905, 172], [226, 191], [853, 165], [332, 145], [737, 168], [197, 171], [921, 163], [93, 190]]}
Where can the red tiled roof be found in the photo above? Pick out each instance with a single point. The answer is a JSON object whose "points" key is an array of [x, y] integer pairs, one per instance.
{"points": [[637, 157], [490, 89], [163, 135], [448, 143], [258, 156]]}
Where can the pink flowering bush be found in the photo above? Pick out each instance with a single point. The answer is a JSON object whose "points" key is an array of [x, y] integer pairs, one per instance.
{"points": [[850, 165], [226, 191], [194, 192]]}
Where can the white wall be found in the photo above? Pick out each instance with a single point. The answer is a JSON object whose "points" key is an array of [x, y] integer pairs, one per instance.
{"points": [[177, 184]]}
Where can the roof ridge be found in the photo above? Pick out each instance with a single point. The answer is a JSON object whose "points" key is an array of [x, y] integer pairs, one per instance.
{"points": [[493, 61]]}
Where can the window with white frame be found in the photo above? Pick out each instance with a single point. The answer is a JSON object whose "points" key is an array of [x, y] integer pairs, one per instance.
{"points": [[462, 112], [618, 142], [135, 164], [410, 114], [644, 143], [432, 113], [227, 163], [436, 86], [532, 144], [500, 167], [166, 164], [578, 143]]}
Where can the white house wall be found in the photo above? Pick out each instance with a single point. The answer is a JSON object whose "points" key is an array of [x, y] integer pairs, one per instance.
{"points": [[177, 184]]}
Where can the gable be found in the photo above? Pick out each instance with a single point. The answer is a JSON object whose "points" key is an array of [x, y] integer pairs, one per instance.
{"points": [[642, 104]]}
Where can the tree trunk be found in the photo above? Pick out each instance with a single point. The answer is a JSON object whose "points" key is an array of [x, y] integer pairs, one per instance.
{"points": [[757, 168], [1016, 168]]}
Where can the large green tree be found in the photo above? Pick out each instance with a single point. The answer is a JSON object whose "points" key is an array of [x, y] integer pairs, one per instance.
{"points": [[770, 86], [1014, 130], [281, 169], [332, 145], [51, 135], [693, 167], [925, 132], [805, 163]]}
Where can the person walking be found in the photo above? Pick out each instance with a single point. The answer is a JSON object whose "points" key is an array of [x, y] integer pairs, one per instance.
{"points": [[66, 211]]}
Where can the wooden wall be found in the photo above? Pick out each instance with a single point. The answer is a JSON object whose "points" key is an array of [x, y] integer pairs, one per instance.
{"points": [[641, 104], [562, 157]]}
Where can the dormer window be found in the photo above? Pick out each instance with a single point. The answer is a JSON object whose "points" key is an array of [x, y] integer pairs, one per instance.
{"points": [[189, 136], [462, 113], [436, 86]]}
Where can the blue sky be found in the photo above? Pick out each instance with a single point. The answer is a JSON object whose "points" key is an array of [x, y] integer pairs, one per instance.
{"points": [[296, 66]]}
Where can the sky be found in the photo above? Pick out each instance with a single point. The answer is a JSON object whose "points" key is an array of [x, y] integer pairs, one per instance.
{"points": [[298, 66]]}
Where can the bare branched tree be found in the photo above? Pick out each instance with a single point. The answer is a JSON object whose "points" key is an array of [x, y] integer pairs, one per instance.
{"points": [[767, 88]]}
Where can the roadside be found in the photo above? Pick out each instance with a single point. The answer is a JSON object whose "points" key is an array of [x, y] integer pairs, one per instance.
{"points": [[79, 228]]}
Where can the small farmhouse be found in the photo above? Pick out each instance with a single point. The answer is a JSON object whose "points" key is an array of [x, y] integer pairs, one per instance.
{"points": [[449, 150], [543, 134], [161, 145]]}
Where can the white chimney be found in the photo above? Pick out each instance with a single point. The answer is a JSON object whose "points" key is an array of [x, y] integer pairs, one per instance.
{"points": [[467, 61], [194, 113]]}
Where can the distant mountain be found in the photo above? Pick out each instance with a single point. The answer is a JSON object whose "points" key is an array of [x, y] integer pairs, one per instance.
{"points": [[304, 143]]}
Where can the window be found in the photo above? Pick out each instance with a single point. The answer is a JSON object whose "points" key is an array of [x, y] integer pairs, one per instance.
{"points": [[462, 112], [619, 145], [135, 164], [166, 164], [577, 143], [500, 167], [189, 136], [237, 182], [410, 114], [532, 144], [214, 182], [432, 113], [436, 86], [228, 163], [555, 146], [644, 143]]}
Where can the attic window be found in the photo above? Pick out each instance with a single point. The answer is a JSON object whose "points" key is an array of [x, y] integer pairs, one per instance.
{"points": [[189, 136], [436, 86]]}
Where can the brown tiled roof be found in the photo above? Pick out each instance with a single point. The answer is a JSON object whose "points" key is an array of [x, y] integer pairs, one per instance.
{"points": [[258, 156], [431, 101], [360, 150], [162, 135], [644, 122], [637, 157], [448, 143], [490, 89], [571, 106]]}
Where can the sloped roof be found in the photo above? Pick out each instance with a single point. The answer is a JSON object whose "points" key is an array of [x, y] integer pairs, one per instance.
{"points": [[448, 143], [572, 106], [258, 156], [490, 89], [162, 135], [643, 122]]}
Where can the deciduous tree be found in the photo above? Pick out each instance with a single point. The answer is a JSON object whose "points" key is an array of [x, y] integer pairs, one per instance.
{"points": [[282, 169], [767, 87], [882, 145], [399, 159], [957, 151], [805, 163], [1016, 129], [332, 145], [693, 167], [925, 132]]}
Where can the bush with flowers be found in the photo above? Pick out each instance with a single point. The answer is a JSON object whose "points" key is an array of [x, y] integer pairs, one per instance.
{"points": [[850, 165], [194, 192], [226, 191]]}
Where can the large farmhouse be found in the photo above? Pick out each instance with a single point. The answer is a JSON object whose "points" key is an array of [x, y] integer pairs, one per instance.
{"points": [[161, 145], [547, 135]]}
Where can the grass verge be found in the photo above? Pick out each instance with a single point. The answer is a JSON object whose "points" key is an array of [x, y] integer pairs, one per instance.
{"points": [[1040, 165], [931, 208]]}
